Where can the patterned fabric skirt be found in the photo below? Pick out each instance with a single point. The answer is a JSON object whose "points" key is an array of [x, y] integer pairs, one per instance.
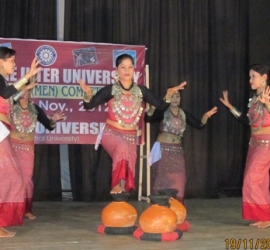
{"points": [[12, 191], [121, 145], [256, 186], [169, 171], [25, 155]]}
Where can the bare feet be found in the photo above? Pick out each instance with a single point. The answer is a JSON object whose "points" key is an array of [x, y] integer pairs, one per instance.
{"points": [[116, 190], [4, 233], [264, 224], [30, 216], [255, 224]]}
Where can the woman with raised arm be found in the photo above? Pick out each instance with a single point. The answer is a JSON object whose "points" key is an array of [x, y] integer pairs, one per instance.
{"points": [[12, 191], [167, 156], [119, 139], [255, 190], [24, 116]]}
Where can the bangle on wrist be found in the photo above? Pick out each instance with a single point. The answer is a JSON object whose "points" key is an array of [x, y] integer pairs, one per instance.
{"points": [[87, 98], [52, 122], [204, 119], [17, 96], [235, 112], [150, 111], [20, 83]]}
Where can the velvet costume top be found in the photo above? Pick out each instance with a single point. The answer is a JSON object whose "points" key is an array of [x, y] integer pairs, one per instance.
{"points": [[105, 95], [6, 91], [43, 118]]}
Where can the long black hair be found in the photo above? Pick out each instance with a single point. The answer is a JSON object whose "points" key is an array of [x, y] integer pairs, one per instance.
{"points": [[6, 52], [261, 69], [122, 57]]}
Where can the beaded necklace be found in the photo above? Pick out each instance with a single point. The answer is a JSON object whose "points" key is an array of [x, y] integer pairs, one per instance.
{"points": [[175, 124], [127, 106], [24, 119]]}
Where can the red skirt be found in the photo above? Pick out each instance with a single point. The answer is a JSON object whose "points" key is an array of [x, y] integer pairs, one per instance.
{"points": [[121, 145], [25, 155], [256, 192], [170, 170], [12, 190]]}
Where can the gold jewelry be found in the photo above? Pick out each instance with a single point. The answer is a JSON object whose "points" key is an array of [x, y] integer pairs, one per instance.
{"points": [[20, 83]]}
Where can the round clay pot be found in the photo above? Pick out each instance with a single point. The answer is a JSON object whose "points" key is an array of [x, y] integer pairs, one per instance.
{"points": [[119, 214], [179, 209], [158, 219]]}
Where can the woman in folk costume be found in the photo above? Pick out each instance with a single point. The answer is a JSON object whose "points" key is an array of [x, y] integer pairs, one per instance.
{"points": [[119, 138], [255, 191], [167, 156], [12, 192], [24, 116]]}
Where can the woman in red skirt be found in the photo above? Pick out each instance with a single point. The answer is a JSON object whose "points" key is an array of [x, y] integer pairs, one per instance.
{"points": [[125, 105], [167, 155], [255, 191], [12, 192], [24, 116]]}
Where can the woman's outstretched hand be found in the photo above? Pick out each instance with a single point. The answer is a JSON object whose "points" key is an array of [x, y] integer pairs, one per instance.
{"points": [[208, 115], [57, 116], [211, 112], [85, 88], [171, 91], [225, 99], [176, 88], [265, 97], [34, 69], [33, 83]]}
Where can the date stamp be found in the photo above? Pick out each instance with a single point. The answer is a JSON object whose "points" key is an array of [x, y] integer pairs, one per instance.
{"points": [[245, 243]]}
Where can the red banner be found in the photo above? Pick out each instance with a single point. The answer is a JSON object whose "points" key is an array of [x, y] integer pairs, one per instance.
{"points": [[62, 65]]}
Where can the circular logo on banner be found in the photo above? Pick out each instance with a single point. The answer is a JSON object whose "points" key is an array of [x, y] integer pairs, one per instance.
{"points": [[46, 55]]}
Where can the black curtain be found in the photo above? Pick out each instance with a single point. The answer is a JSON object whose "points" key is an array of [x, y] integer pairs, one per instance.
{"points": [[35, 19], [202, 42]]}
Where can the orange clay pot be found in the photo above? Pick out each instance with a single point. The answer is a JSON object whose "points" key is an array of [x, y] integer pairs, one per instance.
{"points": [[179, 209], [119, 214], [158, 219]]}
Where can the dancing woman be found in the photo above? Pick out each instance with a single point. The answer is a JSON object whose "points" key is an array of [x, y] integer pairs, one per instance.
{"points": [[255, 190], [24, 116], [125, 99], [12, 192], [167, 156]]}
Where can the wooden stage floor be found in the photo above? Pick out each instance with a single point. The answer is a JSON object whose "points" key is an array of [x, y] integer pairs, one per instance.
{"points": [[72, 226]]}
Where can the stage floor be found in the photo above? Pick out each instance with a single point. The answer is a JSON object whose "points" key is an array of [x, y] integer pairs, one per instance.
{"points": [[72, 225]]}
